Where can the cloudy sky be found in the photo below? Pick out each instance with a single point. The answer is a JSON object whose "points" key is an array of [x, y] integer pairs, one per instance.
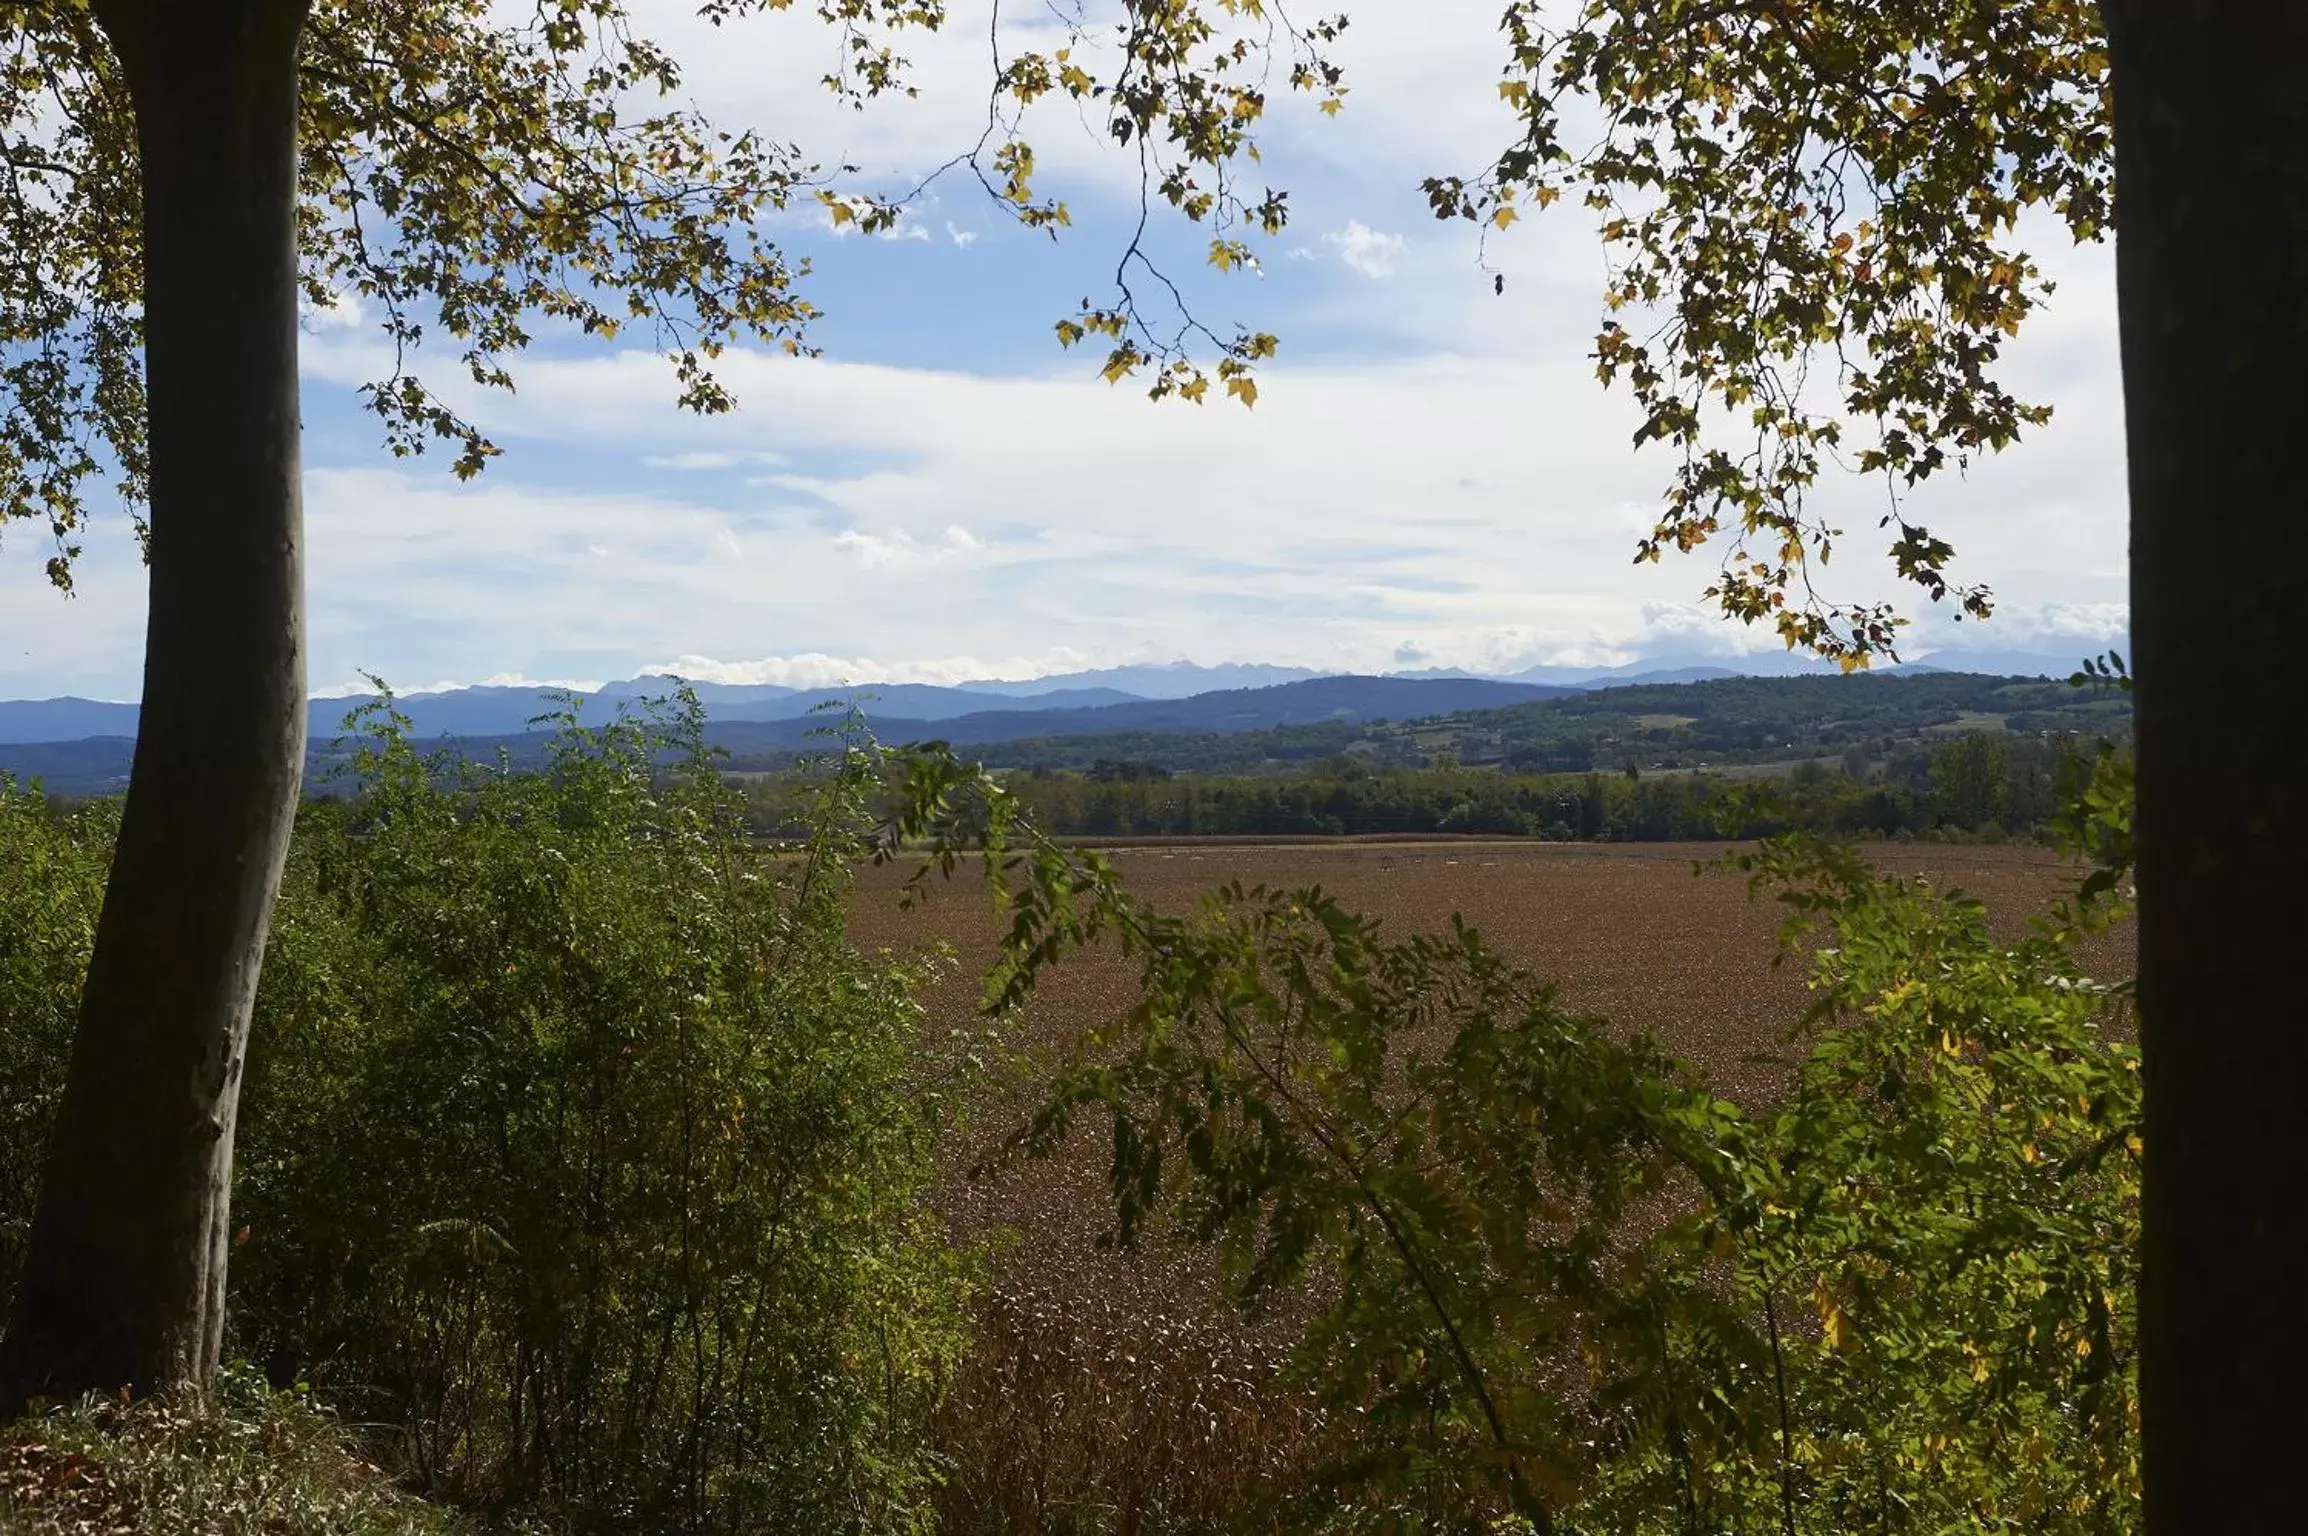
{"points": [[1431, 475]]}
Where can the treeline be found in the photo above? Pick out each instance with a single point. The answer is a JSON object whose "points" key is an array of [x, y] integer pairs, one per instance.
{"points": [[1977, 785]]}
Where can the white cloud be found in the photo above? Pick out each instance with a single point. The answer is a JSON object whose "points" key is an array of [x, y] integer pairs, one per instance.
{"points": [[1476, 507], [878, 550], [343, 312], [962, 238], [814, 669], [2104, 621], [1366, 250], [352, 687], [722, 458]]}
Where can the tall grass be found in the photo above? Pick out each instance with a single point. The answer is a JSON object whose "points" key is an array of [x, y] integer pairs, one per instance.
{"points": [[1082, 1409], [250, 1463]]}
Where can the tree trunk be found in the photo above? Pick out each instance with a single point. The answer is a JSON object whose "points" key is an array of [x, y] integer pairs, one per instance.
{"points": [[124, 1278], [2211, 101]]}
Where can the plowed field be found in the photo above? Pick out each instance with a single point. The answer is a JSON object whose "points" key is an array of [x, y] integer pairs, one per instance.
{"points": [[1628, 930]]}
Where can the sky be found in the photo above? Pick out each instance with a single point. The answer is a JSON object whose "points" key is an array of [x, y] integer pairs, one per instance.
{"points": [[1431, 476]]}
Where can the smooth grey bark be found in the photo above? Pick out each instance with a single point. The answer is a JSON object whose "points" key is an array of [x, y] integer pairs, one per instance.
{"points": [[124, 1276], [2211, 101]]}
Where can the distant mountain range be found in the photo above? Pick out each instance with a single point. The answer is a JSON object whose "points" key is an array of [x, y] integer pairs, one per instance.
{"points": [[1313, 701], [766, 720], [1166, 680], [87, 742], [495, 711]]}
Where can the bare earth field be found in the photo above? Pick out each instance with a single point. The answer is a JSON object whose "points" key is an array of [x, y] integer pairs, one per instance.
{"points": [[1628, 930], [1148, 1372]]}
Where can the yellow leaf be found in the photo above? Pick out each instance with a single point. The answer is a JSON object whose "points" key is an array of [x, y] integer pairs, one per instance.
{"points": [[1503, 217], [1243, 389], [1840, 1333]]}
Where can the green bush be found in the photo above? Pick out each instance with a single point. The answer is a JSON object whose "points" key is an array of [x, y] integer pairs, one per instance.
{"points": [[579, 1149], [52, 869]]}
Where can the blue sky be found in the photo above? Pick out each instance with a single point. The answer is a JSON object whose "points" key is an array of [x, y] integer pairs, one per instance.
{"points": [[1431, 476]]}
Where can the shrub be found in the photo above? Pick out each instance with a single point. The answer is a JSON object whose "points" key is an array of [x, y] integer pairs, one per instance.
{"points": [[578, 1147], [52, 869], [1123, 1408]]}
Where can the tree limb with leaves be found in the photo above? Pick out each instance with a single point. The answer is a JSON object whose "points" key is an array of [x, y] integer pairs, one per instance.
{"points": [[1812, 219], [175, 181]]}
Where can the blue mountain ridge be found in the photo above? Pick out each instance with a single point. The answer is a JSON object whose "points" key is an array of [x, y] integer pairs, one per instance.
{"points": [[491, 711], [509, 711], [100, 764]]}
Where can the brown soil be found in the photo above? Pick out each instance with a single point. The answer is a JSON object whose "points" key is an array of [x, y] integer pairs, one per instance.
{"points": [[1629, 930]]}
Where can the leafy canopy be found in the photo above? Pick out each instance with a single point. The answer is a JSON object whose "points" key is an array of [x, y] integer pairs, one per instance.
{"points": [[1811, 219], [473, 172]]}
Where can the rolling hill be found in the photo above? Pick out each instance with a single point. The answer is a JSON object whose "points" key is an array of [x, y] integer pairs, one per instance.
{"points": [[480, 721]]}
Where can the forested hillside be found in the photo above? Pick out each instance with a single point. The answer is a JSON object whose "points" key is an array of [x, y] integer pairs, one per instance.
{"points": [[1717, 723]]}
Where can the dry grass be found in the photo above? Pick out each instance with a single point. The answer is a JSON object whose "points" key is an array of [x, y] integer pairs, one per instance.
{"points": [[1089, 1408], [1113, 1392], [252, 1465]]}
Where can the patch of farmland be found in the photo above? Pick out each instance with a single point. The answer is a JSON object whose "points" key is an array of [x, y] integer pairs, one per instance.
{"points": [[1628, 930]]}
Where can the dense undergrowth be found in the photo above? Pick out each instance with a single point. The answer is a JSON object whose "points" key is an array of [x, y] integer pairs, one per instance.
{"points": [[578, 1147], [588, 1172]]}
